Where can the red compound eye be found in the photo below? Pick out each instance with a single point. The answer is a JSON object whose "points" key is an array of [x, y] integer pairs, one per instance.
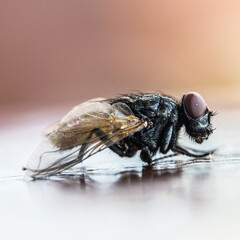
{"points": [[194, 104]]}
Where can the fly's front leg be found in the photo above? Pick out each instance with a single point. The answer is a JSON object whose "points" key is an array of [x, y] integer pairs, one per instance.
{"points": [[183, 151], [168, 138]]}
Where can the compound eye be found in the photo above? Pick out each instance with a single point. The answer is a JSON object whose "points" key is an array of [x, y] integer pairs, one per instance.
{"points": [[194, 104]]}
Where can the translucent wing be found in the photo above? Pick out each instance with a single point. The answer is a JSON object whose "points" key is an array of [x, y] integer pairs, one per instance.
{"points": [[74, 139]]}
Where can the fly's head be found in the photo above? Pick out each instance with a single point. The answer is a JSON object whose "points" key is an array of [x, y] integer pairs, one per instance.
{"points": [[196, 117]]}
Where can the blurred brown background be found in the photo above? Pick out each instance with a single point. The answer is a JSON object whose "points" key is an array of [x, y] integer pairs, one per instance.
{"points": [[57, 52]]}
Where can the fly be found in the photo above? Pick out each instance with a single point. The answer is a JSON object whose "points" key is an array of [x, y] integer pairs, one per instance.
{"points": [[145, 122]]}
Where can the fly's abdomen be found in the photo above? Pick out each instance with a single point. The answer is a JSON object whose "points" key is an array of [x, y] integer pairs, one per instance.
{"points": [[67, 140]]}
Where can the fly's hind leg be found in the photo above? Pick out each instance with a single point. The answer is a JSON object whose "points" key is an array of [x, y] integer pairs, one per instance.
{"points": [[66, 165], [102, 136]]}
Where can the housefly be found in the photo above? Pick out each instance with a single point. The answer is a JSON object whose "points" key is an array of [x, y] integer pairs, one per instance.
{"points": [[145, 122]]}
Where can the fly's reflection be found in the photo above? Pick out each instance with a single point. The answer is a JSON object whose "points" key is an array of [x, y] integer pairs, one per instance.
{"points": [[149, 175]]}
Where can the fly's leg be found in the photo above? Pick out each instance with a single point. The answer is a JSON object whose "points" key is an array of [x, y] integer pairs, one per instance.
{"points": [[181, 150], [129, 146], [102, 136], [164, 157], [167, 138], [146, 155], [131, 151], [119, 149]]}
